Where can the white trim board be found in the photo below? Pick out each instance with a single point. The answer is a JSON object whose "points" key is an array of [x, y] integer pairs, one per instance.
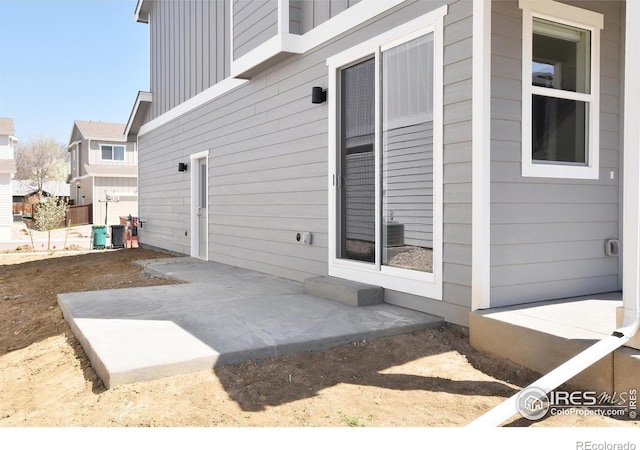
{"points": [[631, 197], [293, 43], [481, 157], [215, 91]]}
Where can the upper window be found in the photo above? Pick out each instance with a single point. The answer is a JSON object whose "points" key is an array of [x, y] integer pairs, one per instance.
{"points": [[560, 107], [112, 152], [386, 160]]}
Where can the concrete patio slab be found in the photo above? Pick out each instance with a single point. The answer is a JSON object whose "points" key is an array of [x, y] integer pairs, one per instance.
{"points": [[219, 315]]}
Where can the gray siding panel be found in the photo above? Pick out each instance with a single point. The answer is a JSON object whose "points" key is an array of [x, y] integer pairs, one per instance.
{"points": [[295, 16], [267, 169], [254, 22], [268, 164], [547, 235], [188, 50], [457, 155], [316, 12], [532, 292]]}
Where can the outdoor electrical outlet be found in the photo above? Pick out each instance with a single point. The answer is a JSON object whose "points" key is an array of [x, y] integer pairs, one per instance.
{"points": [[611, 247]]}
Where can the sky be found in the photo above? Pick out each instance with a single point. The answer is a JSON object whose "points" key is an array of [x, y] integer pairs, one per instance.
{"points": [[66, 60]]}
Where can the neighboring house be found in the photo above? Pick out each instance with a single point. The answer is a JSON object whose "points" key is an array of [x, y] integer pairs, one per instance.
{"points": [[25, 193], [7, 171], [468, 155], [104, 167]]}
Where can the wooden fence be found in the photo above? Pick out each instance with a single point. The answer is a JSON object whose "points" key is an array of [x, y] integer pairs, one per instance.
{"points": [[25, 209], [76, 214], [80, 214]]}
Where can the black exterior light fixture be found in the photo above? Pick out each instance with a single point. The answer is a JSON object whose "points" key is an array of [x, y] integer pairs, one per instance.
{"points": [[318, 95], [182, 167]]}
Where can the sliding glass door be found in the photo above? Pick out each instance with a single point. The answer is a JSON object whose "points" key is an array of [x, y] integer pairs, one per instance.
{"points": [[385, 177]]}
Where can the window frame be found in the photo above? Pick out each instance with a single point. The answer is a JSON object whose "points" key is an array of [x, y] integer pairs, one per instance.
{"points": [[402, 280], [112, 159], [579, 18]]}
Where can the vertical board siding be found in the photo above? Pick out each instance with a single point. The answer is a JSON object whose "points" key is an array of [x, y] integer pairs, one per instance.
{"points": [[254, 22], [189, 43], [547, 235], [295, 16], [316, 12], [268, 162]]}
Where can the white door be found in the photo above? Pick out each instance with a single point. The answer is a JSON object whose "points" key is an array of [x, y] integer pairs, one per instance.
{"points": [[199, 202]]}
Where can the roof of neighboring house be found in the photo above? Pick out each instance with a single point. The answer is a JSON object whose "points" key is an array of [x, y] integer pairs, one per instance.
{"points": [[6, 126], [104, 170], [138, 114], [105, 131], [21, 188]]}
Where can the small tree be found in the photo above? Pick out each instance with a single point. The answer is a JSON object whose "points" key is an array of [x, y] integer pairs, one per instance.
{"points": [[49, 214], [42, 159]]}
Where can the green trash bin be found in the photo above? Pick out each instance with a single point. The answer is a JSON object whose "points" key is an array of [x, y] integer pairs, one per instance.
{"points": [[99, 236]]}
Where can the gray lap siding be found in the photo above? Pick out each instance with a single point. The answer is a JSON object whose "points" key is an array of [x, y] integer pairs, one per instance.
{"points": [[268, 167], [547, 235]]}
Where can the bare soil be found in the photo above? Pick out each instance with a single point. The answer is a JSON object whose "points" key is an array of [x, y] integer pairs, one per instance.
{"points": [[431, 378]]}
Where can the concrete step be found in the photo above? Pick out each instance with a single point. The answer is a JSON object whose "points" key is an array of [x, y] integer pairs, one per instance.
{"points": [[537, 339], [344, 291]]}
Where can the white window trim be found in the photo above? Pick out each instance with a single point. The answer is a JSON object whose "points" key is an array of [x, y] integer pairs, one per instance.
{"points": [[579, 18], [112, 154], [412, 282]]}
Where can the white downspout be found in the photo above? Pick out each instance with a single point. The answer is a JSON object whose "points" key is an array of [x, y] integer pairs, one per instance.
{"points": [[631, 183], [631, 235]]}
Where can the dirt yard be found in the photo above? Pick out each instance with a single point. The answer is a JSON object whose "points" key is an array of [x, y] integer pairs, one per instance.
{"points": [[426, 379]]}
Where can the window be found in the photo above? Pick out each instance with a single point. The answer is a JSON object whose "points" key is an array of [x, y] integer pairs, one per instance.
{"points": [[386, 159], [112, 152], [560, 107]]}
